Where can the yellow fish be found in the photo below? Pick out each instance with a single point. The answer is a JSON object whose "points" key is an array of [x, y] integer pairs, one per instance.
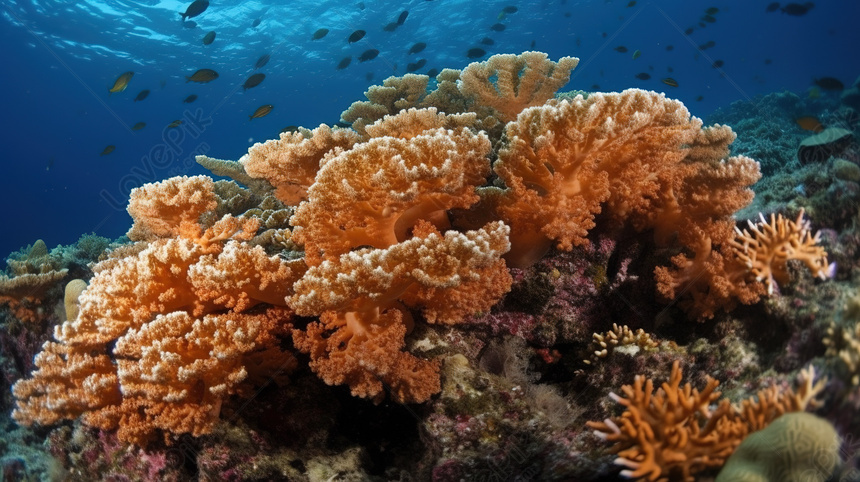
{"points": [[121, 82], [261, 111]]}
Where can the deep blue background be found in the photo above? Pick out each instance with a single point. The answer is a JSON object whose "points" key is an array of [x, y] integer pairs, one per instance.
{"points": [[59, 59]]}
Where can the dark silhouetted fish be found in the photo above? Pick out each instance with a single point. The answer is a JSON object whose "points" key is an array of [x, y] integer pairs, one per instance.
{"points": [[689, 31], [138, 126], [487, 41], [175, 123], [202, 76], [533, 44], [432, 73], [669, 48], [699, 98], [121, 82], [643, 76], [209, 38], [595, 87], [261, 111], [142, 95], [416, 65], [829, 83], [631, 4], [497, 27], [510, 9], [253, 81], [773, 7], [475, 53], [344, 63], [108, 150], [356, 36], [368, 54], [707, 45], [290, 129], [256, 23], [390, 27], [417, 48], [712, 11], [717, 64], [196, 8], [797, 9], [320, 34], [668, 81], [402, 17], [621, 49], [768, 61], [191, 98], [360, 6], [709, 18], [342, 124], [262, 61]]}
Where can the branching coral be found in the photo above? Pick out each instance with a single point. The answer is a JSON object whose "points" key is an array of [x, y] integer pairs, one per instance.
{"points": [[675, 432], [766, 248]]}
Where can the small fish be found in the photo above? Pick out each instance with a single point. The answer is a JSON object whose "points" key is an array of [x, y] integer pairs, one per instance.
{"points": [[510, 9], [797, 9], [717, 64], [501, 16], [253, 81], [768, 61], [360, 5], [532, 45], [670, 82], [142, 95], [342, 124], [829, 83], [700, 98], [631, 4], [432, 73], [772, 7], [344, 63], [320, 34], [412, 67], [487, 41], [670, 48], [636, 54], [189, 24], [707, 45], [475, 53], [262, 61], [368, 54], [175, 123], [809, 123], [709, 18], [108, 150], [497, 27], [622, 49], [702, 24], [402, 17], [417, 48], [712, 11], [196, 8], [689, 31], [290, 129], [256, 23], [121, 82], [138, 126], [603, 34], [643, 76], [595, 87], [390, 27], [670, 69], [202, 76], [356, 36], [191, 98], [209, 38], [261, 111]]}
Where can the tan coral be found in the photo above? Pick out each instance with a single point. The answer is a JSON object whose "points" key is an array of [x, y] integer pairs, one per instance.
{"points": [[520, 81], [170, 208], [291, 162], [394, 95], [604, 343]]}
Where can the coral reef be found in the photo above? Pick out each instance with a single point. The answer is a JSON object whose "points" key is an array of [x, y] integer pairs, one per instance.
{"points": [[447, 290]]}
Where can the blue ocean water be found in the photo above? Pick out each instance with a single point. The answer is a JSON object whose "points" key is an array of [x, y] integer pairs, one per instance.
{"points": [[59, 59]]}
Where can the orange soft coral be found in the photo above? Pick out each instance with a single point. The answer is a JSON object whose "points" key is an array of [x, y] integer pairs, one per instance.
{"points": [[170, 208], [165, 333], [676, 432], [374, 193], [361, 297]]}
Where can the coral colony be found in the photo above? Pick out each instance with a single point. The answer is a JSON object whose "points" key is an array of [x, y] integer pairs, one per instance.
{"points": [[461, 250]]}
